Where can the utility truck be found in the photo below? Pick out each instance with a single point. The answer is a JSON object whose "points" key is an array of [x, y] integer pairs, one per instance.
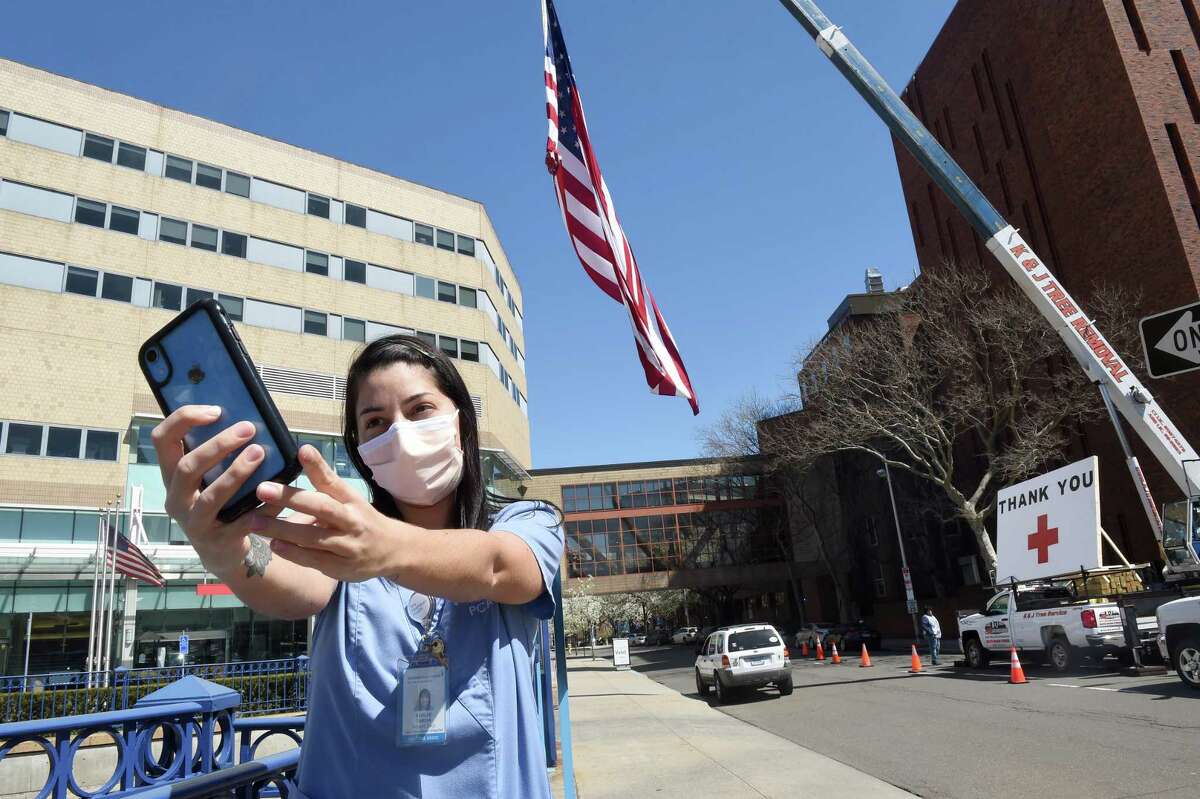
{"points": [[1048, 618], [1122, 392]]}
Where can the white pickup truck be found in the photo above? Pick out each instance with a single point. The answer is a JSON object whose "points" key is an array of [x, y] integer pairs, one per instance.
{"points": [[1046, 619], [1179, 638]]}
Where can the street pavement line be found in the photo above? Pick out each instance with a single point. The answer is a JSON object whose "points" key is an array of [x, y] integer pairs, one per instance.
{"points": [[1099, 688], [1063, 685]]}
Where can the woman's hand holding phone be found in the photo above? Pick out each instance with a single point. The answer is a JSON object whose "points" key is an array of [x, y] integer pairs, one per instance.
{"points": [[222, 547]]}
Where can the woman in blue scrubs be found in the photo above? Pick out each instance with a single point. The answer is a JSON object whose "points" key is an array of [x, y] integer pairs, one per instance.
{"points": [[426, 599]]}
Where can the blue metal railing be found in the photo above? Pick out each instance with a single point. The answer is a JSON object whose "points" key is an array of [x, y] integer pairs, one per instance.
{"points": [[189, 748], [266, 686]]}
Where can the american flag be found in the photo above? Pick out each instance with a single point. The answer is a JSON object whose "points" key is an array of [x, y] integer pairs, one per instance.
{"points": [[132, 562], [591, 220]]}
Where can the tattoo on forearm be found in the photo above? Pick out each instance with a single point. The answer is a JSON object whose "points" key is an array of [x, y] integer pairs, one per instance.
{"points": [[258, 557]]}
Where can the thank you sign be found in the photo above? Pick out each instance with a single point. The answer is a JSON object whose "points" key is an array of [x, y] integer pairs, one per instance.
{"points": [[1049, 525]]}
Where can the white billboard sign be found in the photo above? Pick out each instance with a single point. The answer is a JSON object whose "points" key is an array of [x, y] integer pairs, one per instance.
{"points": [[1049, 525]]}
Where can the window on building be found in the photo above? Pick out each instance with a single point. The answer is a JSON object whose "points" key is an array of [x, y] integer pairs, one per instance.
{"points": [[3, 123], [124, 220], [89, 212], [204, 238], [316, 323], [425, 287], [172, 230], [117, 287], [193, 296], [469, 350], [354, 271], [238, 184], [466, 245], [208, 176], [872, 532], [63, 442], [178, 169], [354, 329], [448, 345], [98, 147], [232, 306], [968, 567], [428, 338], [423, 234], [467, 297], [445, 240], [82, 281], [166, 296], [100, 445], [233, 244], [24, 439], [356, 215], [447, 292], [318, 206], [316, 263], [880, 582], [131, 156]]}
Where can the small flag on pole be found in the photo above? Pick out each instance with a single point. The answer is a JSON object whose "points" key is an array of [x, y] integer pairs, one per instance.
{"points": [[591, 220], [132, 562]]}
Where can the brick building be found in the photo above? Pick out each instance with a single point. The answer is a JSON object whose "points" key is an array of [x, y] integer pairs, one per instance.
{"points": [[115, 213], [1078, 120], [707, 524]]}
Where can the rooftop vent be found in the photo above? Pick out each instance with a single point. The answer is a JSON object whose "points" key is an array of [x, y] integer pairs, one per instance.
{"points": [[874, 281]]}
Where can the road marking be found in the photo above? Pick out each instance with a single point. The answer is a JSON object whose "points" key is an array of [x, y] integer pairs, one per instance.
{"points": [[1063, 685], [1099, 688]]}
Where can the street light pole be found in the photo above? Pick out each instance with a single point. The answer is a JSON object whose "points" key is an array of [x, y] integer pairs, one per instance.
{"points": [[908, 592]]}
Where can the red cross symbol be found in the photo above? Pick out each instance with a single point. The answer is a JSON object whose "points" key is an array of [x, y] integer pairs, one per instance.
{"points": [[1043, 539]]}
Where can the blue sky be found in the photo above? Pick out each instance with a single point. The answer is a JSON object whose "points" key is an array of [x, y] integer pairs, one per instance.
{"points": [[753, 183]]}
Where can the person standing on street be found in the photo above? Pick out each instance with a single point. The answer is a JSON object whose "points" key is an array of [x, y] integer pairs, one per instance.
{"points": [[933, 634]]}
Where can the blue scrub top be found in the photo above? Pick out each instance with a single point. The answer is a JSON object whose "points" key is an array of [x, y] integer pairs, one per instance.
{"points": [[493, 733]]}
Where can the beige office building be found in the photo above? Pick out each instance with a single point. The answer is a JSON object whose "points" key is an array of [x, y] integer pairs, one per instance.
{"points": [[116, 213]]}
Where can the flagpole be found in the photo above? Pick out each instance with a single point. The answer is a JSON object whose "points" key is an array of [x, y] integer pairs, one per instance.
{"points": [[112, 588], [90, 665], [99, 649]]}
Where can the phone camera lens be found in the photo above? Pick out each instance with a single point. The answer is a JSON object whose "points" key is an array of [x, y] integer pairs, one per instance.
{"points": [[151, 356]]}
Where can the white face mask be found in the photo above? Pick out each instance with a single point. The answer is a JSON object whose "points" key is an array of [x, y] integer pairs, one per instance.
{"points": [[418, 463]]}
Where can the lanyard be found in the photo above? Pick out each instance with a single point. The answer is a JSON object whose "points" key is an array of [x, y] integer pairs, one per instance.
{"points": [[431, 640]]}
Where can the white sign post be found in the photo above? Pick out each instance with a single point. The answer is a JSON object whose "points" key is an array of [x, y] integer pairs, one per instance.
{"points": [[1049, 525], [621, 653]]}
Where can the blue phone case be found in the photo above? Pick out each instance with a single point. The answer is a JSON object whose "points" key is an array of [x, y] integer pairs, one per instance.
{"points": [[198, 359]]}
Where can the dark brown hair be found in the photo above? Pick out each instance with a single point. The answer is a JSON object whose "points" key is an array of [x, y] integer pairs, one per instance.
{"points": [[471, 509]]}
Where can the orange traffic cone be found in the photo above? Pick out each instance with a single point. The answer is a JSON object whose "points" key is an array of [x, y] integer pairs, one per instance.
{"points": [[1016, 674], [804, 649], [865, 662], [916, 661], [837, 659], [820, 651]]}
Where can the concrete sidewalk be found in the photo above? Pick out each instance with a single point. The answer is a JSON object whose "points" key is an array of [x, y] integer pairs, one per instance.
{"points": [[635, 737]]}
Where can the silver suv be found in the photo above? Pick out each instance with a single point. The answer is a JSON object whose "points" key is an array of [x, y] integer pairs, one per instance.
{"points": [[743, 656]]}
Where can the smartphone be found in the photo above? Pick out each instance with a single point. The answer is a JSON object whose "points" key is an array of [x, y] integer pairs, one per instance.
{"points": [[199, 359]]}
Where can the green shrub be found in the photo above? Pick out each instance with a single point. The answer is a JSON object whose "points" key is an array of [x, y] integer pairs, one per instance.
{"points": [[261, 694]]}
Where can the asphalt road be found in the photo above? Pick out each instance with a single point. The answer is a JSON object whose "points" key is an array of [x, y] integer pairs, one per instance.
{"points": [[959, 733]]}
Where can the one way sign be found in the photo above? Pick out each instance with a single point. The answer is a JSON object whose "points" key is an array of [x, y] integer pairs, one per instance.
{"points": [[1171, 340]]}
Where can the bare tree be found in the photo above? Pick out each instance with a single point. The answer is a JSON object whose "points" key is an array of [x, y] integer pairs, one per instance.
{"points": [[735, 435], [960, 382]]}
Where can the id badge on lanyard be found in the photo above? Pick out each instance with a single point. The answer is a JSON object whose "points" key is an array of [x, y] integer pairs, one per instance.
{"points": [[422, 689]]}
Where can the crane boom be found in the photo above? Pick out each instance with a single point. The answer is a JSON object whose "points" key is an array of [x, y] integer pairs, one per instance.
{"points": [[1099, 360]]}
